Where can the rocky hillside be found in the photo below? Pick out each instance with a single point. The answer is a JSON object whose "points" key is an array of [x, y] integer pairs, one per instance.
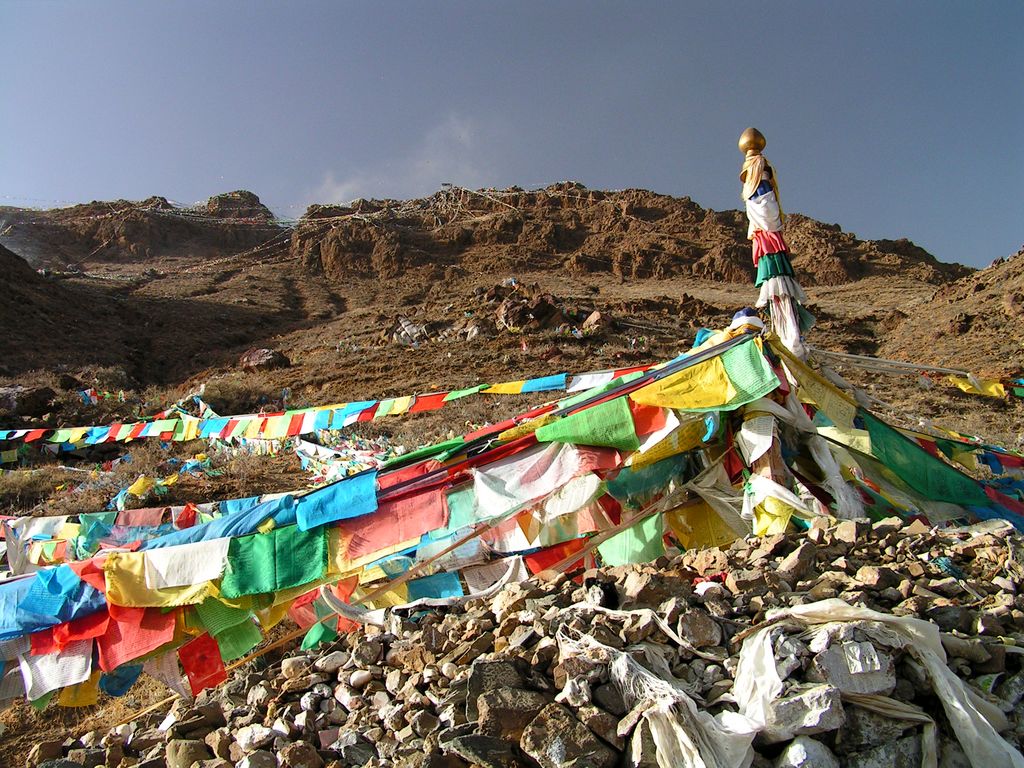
{"points": [[633, 233], [974, 323], [124, 231]]}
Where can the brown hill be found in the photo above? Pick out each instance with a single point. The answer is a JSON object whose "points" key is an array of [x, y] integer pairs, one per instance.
{"points": [[633, 234], [124, 231], [975, 323], [334, 290]]}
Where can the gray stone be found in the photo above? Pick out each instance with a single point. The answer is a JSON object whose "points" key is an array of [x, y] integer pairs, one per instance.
{"points": [[864, 729], [813, 710], [252, 737], [45, 750], [181, 753], [486, 676], [424, 722], [804, 752], [219, 742], [59, 763], [951, 754], [850, 531], [294, 667], [748, 581], [699, 629], [795, 564], [902, 753], [642, 752], [556, 739], [505, 712], [331, 662], [608, 697], [877, 577], [483, 751], [854, 668], [354, 748]]}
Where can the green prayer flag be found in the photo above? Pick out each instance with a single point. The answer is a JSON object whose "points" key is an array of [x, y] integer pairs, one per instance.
{"points": [[640, 543], [268, 562], [460, 393], [238, 640], [40, 704], [751, 375], [424, 452], [218, 617], [926, 474], [635, 487], [318, 633], [461, 506], [607, 424]]}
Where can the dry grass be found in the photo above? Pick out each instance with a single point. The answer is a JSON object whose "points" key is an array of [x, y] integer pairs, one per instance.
{"points": [[238, 393]]}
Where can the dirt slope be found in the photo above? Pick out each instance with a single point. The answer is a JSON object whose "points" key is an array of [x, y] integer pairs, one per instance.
{"points": [[976, 323]]}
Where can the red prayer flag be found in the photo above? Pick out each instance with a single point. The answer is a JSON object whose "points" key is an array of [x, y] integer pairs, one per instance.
{"points": [[301, 610], [647, 418], [429, 402], [93, 625], [543, 559], [91, 572], [187, 517], [367, 414], [132, 633], [201, 661], [343, 591], [42, 643]]}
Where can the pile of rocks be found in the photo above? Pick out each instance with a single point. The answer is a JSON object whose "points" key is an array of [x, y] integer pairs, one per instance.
{"points": [[625, 663]]}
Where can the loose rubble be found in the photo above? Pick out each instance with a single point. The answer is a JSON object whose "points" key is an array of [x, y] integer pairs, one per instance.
{"points": [[606, 669]]}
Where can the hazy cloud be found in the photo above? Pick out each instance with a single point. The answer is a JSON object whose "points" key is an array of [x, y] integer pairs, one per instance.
{"points": [[456, 150]]}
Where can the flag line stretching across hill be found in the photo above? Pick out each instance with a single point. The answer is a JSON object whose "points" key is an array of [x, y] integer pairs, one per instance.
{"points": [[732, 438]]}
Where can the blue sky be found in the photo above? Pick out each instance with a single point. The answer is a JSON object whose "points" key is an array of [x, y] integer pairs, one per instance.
{"points": [[891, 119]]}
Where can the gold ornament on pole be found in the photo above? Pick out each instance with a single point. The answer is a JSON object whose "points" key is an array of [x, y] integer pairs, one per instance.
{"points": [[752, 141]]}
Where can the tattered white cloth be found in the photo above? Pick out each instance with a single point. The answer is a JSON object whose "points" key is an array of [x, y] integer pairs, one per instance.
{"points": [[51, 671], [186, 564]]}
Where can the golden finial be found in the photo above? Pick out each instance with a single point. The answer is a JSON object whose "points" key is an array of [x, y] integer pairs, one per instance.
{"points": [[752, 140]]}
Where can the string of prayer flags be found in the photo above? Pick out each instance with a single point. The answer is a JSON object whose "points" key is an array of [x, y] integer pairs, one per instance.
{"points": [[926, 474]]}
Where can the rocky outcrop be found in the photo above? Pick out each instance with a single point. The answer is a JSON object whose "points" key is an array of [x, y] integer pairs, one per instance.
{"points": [[632, 233]]}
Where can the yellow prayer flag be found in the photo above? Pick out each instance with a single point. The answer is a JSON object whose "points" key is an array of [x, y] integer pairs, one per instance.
{"points": [[698, 525], [84, 694], [705, 385], [986, 387], [506, 388], [771, 516], [528, 428], [685, 437], [402, 404], [126, 585], [272, 616], [142, 486]]}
